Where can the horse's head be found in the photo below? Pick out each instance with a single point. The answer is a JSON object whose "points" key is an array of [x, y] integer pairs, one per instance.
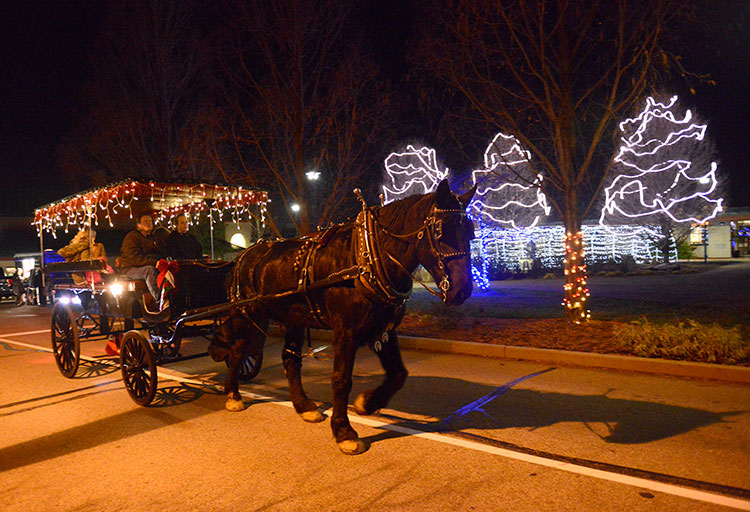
{"points": [[444, 245]]}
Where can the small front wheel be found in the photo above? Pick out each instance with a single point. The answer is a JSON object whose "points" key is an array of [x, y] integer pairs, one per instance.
{"points": [[138, 367], [66, 344], [250, 367]]}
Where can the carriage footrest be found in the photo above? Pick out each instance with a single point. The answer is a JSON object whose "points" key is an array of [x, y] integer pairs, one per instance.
{"points": [[155, 318]]}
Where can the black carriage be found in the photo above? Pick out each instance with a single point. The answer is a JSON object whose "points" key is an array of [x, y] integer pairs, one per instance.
{"points": [[102, 306]]}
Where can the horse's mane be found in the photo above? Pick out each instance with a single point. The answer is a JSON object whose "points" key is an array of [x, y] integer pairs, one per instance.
{"points": [[393, 214]]}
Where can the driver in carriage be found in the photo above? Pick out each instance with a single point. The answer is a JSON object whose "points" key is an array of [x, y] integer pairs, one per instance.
{"points": [[140, 251], [182, 245]]}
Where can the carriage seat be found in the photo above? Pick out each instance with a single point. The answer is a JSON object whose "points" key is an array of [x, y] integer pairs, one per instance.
{"points": [[99, 287], [139, 284]]}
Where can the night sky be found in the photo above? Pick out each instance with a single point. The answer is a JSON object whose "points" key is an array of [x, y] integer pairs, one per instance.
{"points": [[45, 62]]}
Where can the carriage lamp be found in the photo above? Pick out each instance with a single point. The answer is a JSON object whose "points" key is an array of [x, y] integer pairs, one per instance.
{"points": [[116, 289], [67, 299]]}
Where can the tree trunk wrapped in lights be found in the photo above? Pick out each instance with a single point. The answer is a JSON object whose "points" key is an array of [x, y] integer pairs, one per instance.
{"points": [[576, 293]]}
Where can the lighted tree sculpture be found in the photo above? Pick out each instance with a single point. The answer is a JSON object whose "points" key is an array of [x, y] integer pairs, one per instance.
{"points": [[412, 171], [509, 191], [508, 196], [664, 174]]}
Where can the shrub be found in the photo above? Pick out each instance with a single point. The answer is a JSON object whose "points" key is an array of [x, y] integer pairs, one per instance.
{"points": [[690, 340], [685, 251]]}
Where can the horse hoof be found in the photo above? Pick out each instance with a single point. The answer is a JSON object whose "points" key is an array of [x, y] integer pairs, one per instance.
{"points": [[359, 405], [313, 416], [352, 446], [233, 405]]}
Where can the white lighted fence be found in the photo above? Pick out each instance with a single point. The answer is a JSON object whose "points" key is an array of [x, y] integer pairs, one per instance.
{"points": [[516, 249]]}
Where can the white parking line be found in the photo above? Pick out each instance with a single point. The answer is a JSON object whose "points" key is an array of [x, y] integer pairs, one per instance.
{"points": [[26, 333], [693, 494]]}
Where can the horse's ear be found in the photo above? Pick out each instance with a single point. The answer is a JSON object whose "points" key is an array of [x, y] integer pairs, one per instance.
{"points": [[465, 198], [443, 194]]}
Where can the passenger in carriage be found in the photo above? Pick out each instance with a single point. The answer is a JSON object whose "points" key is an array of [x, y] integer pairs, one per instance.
{"points": [[182, 245], [140, 251], [83, 249]]}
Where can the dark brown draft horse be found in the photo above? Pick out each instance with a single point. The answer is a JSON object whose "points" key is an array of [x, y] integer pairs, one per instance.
{"points": [[353, 278]]}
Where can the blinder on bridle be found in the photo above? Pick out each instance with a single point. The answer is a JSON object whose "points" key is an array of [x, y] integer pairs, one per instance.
{"points": [[436, 226], [435, 229], [433, 226]]}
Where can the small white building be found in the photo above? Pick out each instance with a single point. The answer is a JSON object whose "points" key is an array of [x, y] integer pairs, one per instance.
{"points": [[725, 236]]}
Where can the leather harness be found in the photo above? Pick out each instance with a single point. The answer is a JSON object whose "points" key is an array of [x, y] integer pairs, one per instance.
{"points": [[369, 272]]}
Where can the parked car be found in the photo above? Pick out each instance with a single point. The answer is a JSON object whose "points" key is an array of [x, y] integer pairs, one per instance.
{"points": [[6, 286]]}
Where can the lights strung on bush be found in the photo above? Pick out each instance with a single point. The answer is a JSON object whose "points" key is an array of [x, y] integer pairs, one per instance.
{"points": [[576, 292], [104, 205], [497, 250], [413, 171], [654, 184]]}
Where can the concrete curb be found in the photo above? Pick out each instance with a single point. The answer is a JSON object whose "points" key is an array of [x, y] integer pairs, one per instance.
{"points": [[726, 373]]}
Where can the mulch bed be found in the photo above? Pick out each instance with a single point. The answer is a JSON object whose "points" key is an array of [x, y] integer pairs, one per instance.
{"points": [[595, 336]]}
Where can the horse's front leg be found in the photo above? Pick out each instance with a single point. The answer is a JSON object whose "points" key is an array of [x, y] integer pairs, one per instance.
{"points": [[395, 376], [343, 366], [232, 383], [235, 337], [292, 359]]}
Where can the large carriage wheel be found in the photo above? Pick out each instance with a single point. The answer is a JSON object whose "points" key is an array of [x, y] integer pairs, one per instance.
{"points": [[250, 366], [65, 342], [138, 368]]}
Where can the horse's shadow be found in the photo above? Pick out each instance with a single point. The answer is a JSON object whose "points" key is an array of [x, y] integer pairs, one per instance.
{"points": [[454, 405]]}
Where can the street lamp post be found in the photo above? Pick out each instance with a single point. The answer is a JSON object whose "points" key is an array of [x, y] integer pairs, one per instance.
{"points": [[295, 207], [312, 177]]}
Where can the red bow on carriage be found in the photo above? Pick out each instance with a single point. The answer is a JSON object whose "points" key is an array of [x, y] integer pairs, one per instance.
{"points": [[167, 272]]}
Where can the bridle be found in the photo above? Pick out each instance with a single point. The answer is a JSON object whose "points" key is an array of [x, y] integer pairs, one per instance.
{"points": [[369, 254]]}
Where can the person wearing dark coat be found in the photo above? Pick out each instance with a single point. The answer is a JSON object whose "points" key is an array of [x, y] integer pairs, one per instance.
{"points": [[140, 251], [17, 283], [182, 245]]}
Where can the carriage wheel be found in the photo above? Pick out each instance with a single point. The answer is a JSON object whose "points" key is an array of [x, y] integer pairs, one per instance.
{"points": [[106, 317], [250, 366], [65, 342], [106, 323], [138, 368]]}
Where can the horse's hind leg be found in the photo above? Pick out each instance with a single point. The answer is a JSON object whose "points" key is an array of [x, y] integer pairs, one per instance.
{"points": [[292, 359], [395, 376]]}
